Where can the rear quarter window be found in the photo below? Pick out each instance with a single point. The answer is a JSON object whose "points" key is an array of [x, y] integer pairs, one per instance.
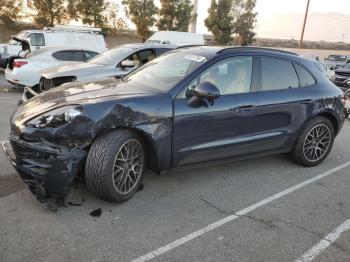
{"points": [[305, 78]]}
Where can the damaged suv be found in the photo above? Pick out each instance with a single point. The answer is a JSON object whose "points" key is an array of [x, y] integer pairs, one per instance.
{"points": [[191, 106]]}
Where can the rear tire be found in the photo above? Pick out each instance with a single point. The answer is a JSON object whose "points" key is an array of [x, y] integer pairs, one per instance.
{"points": [[115, 165], [314, 142]]}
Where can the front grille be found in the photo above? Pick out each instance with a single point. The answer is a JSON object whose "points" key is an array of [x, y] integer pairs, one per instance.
{"points": [[343, 74], [45, 84]]}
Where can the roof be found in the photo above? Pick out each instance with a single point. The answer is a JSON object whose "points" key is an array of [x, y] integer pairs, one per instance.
{"points": [[145, 45], [211, 51]]}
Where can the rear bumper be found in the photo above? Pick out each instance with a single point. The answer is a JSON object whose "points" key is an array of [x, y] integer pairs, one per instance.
{"points": [[48, 170], [18, 78]]}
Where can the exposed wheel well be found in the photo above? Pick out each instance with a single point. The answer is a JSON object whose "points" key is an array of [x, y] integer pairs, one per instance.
{"points": [[331, 118]]}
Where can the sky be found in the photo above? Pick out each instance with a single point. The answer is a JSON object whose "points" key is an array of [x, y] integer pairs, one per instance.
{"points": [[328, 20]]}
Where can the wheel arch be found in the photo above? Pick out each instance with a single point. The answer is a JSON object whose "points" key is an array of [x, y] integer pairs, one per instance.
{"points": [[150, 150]]}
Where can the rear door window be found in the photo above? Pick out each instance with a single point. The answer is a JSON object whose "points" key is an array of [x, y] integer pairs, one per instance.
{"points": [[69, 55], [277, 74], [306, 79], [89, 55]]}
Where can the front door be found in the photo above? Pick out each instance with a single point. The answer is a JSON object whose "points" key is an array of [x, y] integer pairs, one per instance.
{"points": [[204, 132]]}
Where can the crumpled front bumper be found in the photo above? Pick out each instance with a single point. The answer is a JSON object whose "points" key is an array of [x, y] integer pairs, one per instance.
{"points": [[46, 168]]}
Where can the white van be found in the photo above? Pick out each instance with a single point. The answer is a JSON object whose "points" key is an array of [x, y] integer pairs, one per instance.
{"points": [[68, 36], [176, 38]]}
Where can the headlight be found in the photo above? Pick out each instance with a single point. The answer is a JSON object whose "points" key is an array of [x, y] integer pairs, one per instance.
{"points": [[55, 117]]}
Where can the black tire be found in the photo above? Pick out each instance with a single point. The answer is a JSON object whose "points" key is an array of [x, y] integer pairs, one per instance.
{"points": [[101, 162], [301, 151]]}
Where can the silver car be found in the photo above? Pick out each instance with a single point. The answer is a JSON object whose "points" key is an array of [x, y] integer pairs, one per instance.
{"points": [[116, 62]]}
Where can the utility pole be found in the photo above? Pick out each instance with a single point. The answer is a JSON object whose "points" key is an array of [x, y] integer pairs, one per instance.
{"points": [[303, 30], [195, 12]]}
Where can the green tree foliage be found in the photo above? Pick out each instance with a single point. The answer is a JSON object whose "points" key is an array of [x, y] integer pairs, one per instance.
{"points": [[142, 13], [175, 15], [93, 12], [244, 20], [49, 12], [9, 12], [219, 21]]}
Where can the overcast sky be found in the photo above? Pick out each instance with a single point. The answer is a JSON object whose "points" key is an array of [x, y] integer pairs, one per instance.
{"points": [[328, 19]]}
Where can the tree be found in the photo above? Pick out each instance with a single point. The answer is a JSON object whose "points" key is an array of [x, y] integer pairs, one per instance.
{"points": [[142, 14], [9, 12], [175, 15], [49, 12], [245, 18], [93, 12], [219, 21]]}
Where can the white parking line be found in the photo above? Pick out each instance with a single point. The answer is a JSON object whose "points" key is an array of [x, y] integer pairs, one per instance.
{"points": [[232, 217], [325, 243]]}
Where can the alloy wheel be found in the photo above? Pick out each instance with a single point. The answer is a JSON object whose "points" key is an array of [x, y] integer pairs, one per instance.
{"points": [[128, 166], [317, 142]]}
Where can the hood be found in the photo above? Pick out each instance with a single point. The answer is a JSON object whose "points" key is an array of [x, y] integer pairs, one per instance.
{"points": [[78, 93], [76, 70]]}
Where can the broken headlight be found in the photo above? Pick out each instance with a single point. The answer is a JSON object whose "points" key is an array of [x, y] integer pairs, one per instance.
{"points": [[56, 117]]}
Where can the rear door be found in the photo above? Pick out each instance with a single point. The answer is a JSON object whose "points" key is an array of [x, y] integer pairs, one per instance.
{"points": [[284, 100]]}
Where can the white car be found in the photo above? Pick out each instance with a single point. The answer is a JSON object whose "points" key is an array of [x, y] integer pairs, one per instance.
{"points": [[26, 71]]}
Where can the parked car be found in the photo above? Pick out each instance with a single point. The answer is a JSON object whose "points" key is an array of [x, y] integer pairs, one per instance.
{"points": [[26, 71], [342, 75], [191, 106], [176, 38], [116, 62], [336, 61], [70, 36]]}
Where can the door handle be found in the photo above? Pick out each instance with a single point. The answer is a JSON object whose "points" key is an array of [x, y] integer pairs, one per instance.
{"points": [[242, 109]]}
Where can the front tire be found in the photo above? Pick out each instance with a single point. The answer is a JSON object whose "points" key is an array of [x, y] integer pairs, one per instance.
{"points": [[115, 165], [314, 142]]}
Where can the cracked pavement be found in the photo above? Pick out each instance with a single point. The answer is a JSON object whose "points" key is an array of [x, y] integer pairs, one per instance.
{"points": [[174, 205]]}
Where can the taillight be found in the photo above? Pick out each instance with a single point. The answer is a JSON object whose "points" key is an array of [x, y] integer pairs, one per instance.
{"points": [[19, 63]]}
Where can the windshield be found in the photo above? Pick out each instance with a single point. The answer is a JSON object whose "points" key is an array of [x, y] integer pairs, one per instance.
{"points": [[20, 34], [111, 57], [167, 70], [337, 58]]}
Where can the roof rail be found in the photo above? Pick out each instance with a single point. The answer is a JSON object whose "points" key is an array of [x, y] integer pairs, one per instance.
{"points": [[242, 48], [80, 29], [184, 46]]}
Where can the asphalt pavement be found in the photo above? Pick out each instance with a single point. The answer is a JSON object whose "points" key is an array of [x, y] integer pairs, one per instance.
{"points": [[265, 209]]}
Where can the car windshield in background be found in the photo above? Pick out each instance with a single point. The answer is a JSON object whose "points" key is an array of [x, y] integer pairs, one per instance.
{"points": [[110, 57], [167, 70], [337, 58]]}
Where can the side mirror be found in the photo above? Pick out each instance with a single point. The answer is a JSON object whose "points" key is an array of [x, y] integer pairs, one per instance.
{"points": [[127, 64], [206, 90]]}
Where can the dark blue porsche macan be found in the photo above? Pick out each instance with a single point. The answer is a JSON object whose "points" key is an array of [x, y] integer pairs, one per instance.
{"points": [[191, 106]]}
